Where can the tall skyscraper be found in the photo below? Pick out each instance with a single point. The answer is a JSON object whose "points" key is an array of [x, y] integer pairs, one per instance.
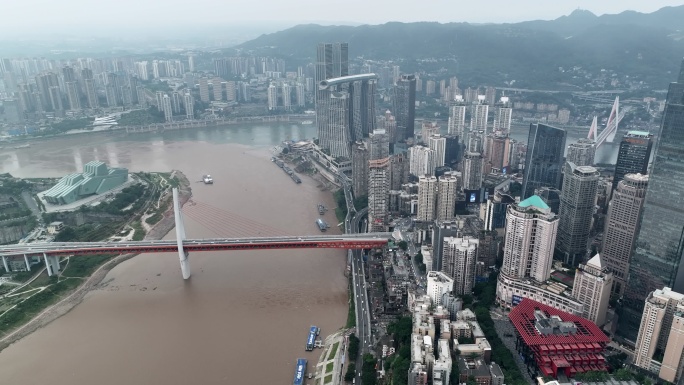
{"points": [[204, 90], [217, 84], [287, 96], [592, 287], [544, 161], [422, 161], [399, 170], [427, 195], [458, 262], [337, 132], [73, 95], [167, 108], [662, 328], [578, 199], [478, 119], [530, 238], [457, 113], [622, 226], [633, 155], [657, 259], [405, 106], [437, 143], [447, 190], [498, 151], [337, 137], [360, 157], [189, 103], [472, 170], [272, 97], [504, 116], [582, 152], [378, 194], [231, 91], [379, 144], [332, 61]]}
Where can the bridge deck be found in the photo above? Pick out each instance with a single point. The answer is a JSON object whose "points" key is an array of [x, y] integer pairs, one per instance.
{"points": [[358, 241]]}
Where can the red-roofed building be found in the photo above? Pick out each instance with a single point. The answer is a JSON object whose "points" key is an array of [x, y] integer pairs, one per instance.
{"points": [[558, 342]]}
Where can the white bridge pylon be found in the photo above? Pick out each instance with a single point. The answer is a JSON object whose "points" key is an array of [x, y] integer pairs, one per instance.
{"points": [[180, 236]]}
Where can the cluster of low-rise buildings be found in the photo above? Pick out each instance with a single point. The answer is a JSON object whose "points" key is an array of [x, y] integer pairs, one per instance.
{"points": [[444, 338]]}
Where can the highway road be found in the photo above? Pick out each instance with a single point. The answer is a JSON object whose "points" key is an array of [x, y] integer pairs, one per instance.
{"points": [[363, 325]]}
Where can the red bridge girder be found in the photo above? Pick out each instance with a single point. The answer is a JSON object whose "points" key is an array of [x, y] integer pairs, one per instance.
{"points": [[191, 247]]}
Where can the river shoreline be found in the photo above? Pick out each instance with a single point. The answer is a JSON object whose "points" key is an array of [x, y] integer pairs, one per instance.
{"points": [[71, 300]]}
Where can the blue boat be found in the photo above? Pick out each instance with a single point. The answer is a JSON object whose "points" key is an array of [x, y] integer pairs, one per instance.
{"points": [[300, 371], [311, 340]]}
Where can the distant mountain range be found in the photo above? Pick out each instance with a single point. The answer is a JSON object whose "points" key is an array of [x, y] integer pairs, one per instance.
{"points": [[647, 47]]}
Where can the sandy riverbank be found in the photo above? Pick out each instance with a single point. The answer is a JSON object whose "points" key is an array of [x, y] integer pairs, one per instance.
{"points": [[72, 299]]}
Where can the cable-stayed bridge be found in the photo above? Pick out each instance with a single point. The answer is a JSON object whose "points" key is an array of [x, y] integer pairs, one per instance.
{"points": [[245, 240]]}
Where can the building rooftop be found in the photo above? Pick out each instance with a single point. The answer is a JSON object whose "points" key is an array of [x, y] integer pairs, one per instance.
{"points": [[534, 201], [595, 262], [524, 319], [638, 133]]}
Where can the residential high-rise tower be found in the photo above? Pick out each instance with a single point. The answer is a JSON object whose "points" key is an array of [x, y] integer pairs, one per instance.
{"points": [[622, 226]]}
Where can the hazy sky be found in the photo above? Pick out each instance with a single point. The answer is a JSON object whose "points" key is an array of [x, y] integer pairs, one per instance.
{"points": [[33, 15]]}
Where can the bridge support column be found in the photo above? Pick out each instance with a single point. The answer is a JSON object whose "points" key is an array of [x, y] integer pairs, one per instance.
{"points": [[4, 263], [52, 264], [28, 265], [180, 236]]}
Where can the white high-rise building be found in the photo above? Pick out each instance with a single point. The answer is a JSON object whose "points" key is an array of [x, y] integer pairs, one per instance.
{"points": [[189, 102], [437, 144], [447, 191], [592, 286], [458, 262], [504, 115], [457, 113], [166, 107], [531, 229], [378, 194], [662, 328], [422, 161], [427, 194], [478, 120], [155, 69], [141, 70], [301, 95], [272, 97], [287, 102], [438, 284]]}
